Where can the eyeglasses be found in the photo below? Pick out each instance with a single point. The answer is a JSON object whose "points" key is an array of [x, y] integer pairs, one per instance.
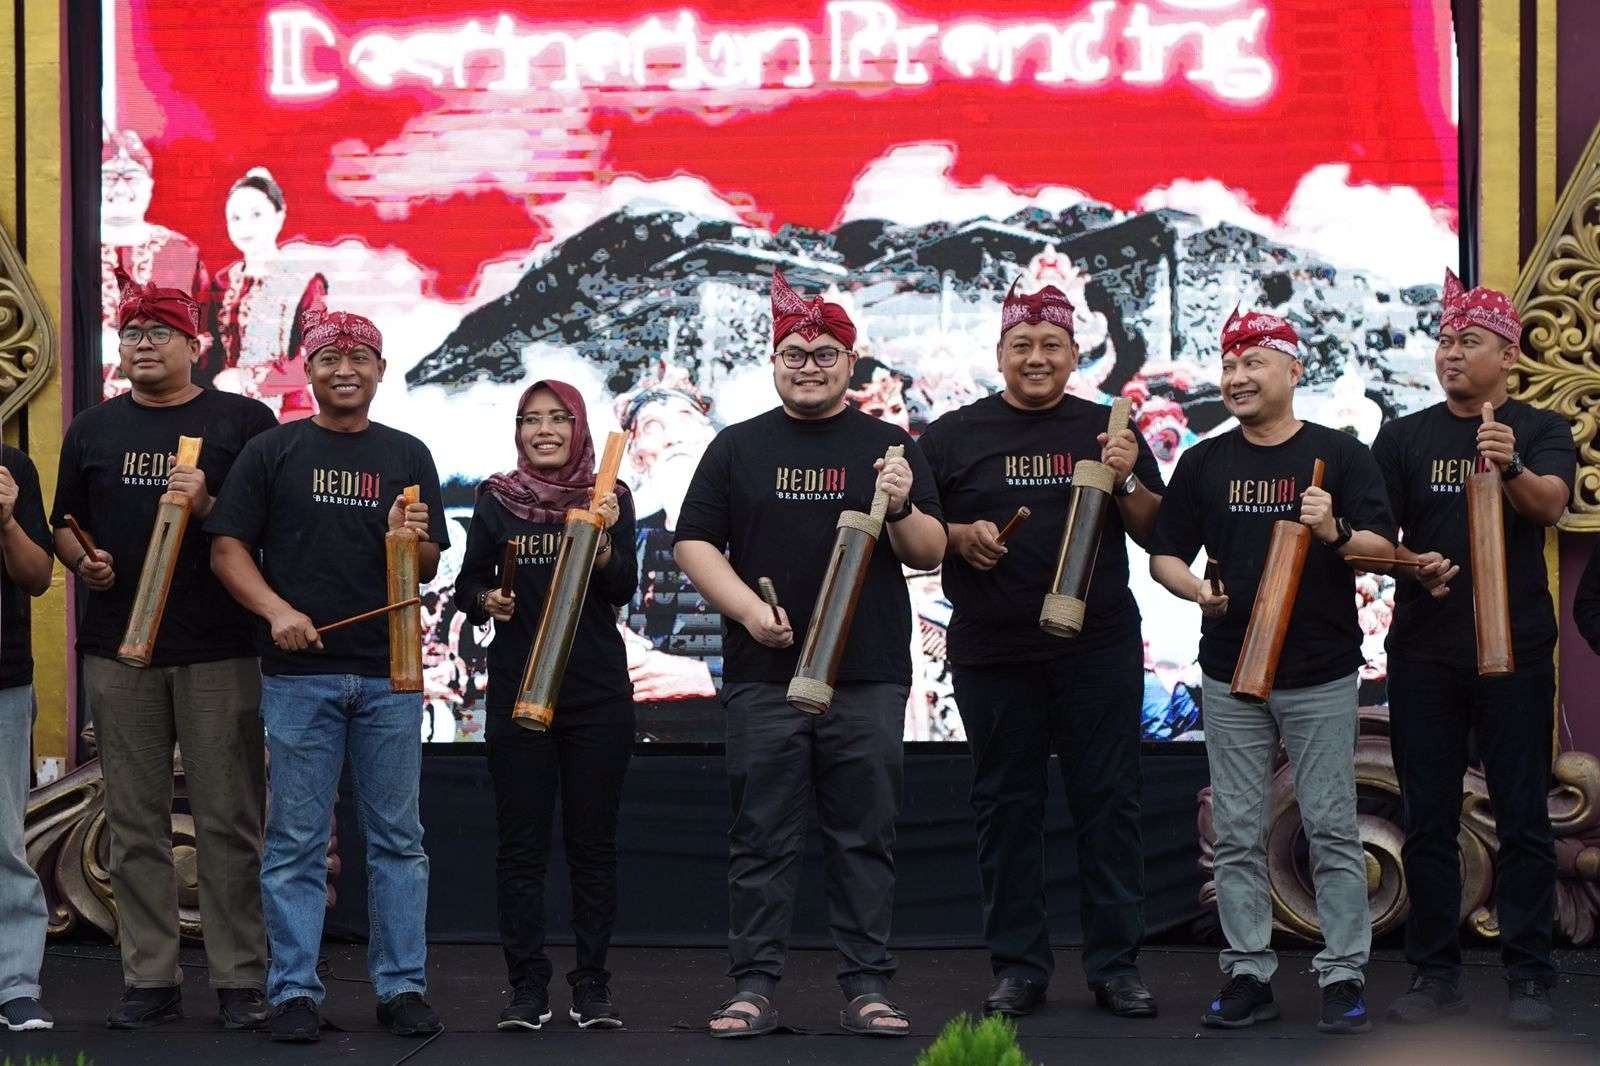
{"points": [[795, 358], [158, 335], [554, 421]]}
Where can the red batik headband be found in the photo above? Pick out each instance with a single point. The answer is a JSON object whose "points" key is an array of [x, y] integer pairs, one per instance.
{"points": [[338, 329], [791, 313], [1257, 329], [172, 307], [1489, 308], [1049, 304]]}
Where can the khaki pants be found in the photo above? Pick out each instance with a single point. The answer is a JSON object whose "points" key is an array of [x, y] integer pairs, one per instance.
{"points": [[212, 711]]}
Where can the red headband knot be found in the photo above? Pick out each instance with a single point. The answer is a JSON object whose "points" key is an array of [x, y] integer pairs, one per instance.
{"points": [[1257, 329], [171, 307], [1049, 304], [1489, 308], [338, 329], [791, 313]]}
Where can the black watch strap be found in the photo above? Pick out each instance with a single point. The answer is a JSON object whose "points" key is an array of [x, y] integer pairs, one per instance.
{"points": [[904, 512], [1514, 468], [1345, 533]]}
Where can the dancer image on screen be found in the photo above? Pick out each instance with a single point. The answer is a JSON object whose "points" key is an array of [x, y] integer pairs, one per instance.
{"points": [[1023, 693], [1437, 702], [202, 689], [298, 539], [584, 754], [256, 305], [1225, 496], [25, 565], [768, 492]]}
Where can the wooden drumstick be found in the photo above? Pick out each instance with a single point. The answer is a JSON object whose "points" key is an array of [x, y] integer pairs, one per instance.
{"points": [[1214, 576], [1011, 526], [769, 593], [1373, 560], [378, 612], [83, 538], [508, 568]]}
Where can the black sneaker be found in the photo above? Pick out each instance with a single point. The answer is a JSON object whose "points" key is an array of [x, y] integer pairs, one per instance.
{"points": [[1243, 1001], [591, 1005], [1430, 999], [242, 1008], [297, 1021], [1530, 1006], [145, 1008], [408, 1014], [529, 1009], [1344, 1009], [24, 1014]]}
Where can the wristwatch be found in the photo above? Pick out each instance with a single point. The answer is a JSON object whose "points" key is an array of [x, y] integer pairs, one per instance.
{"points": [[1128, 485], [1345, 533], [1514, 468], [904, 512]]}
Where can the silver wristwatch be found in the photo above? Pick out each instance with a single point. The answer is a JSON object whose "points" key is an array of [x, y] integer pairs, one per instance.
{"points": [[1127, 487]]}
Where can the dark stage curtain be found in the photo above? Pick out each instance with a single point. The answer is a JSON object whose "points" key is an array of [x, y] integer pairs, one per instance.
{"points": [[674, 854]]}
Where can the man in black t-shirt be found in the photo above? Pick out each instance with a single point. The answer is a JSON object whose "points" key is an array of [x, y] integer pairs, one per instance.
{"points": [[1225, 495], [1437, 701], [768, 492], [299, 541], [25, 565], [1023, 693], [202, 689]]}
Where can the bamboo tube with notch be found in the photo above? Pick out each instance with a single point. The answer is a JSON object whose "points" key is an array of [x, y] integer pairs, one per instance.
{"points": [[1257, 667], [1089, 500], [1486, 536], [160, 562], [400, 548]]}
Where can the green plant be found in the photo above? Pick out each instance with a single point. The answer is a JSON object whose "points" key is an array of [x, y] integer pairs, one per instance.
{"points": [[991, 1042]]}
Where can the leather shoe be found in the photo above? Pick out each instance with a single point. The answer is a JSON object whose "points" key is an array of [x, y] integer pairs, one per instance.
{"points": [[1013, 997], [1126, 997]]}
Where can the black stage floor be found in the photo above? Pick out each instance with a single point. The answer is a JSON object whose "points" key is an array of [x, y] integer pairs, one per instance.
{"points": [[663, 990]]}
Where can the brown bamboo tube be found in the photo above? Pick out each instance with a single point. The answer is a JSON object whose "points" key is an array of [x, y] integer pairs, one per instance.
{"points": [[1088, 502], [160, 560], [535, 708], [1011, 527], [1257, 668], [1491, 602], [855, 539], [405, 625]]}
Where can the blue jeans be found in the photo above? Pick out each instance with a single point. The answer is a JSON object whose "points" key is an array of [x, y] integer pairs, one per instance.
{"points": [[312, 723], [22, 907]]}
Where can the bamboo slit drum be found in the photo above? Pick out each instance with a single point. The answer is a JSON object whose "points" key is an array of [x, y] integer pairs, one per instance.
{"points": [[400, 548], [1257, 667], [1486, 537], [160, 562], [1088, 502], [563, 605], [854, 540]]}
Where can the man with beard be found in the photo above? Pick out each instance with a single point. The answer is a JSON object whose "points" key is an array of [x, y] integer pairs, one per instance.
{"points": [[299, 541], [202, 689], [1437, 701], [1024, 693], [1225, 496], [768, 492]]}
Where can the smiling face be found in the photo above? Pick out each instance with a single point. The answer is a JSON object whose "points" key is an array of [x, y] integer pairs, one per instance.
{"points": [[1258, 385], [153, 367], [254, 222], [344, 383], [1036, 359], [544, 430], [1471, 363], [810, 391]]}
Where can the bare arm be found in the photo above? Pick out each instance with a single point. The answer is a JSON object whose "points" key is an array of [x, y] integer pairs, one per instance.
{"points": [[1540, 498], [716, 580], [235, 566], [1174, 575], [1138, 510], [918, 539], [97, 573]]}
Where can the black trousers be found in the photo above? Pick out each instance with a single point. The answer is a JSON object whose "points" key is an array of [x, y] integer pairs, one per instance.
{"points": [[850, 759], [1085, 709], [1432, 711], [584, 757]]}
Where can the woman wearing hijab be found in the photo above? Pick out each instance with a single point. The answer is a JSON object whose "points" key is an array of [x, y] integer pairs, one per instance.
{"points": [[586, 750]]}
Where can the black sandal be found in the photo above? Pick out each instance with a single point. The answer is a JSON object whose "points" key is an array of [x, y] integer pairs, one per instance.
{"points": [[764, 1021], [855, 1020]]}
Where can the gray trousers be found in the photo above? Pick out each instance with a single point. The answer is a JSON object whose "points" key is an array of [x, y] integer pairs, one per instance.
{"points": [[212, 711], [1318, 728], [22, 909], [851, 761]]}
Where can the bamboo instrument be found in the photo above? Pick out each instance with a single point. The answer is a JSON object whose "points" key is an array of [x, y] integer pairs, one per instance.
{"points": [[508, 568], [377, 612], [1491, 603], [855, 539], [1011, 526], [84, 540], [769, 593], [1088, 502], [1373, 560], [405, 625], [563, 604], [160, 561], [1269, 616]]}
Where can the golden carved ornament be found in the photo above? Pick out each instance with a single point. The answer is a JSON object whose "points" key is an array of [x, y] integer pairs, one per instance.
{"points": [[27, 336], [1559, 296]]}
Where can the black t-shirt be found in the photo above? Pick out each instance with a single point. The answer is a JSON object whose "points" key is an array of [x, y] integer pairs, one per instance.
{"points": [[988, 459], [114, 463], [1426, 458], [597, 669], [1225, 496], [315, 505], [769, 492], [16, 606]]}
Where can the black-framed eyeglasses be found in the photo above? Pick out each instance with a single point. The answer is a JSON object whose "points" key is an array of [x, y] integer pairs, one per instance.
{"points": [[130, 336], [554, 421], [794, 357]]}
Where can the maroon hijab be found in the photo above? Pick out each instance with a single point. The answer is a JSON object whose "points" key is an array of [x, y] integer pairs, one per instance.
{"points": [[546, 495]]}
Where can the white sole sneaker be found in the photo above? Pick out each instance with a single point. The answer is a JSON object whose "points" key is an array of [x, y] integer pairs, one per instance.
{"points": [[506, 1025], [594, 1023]]}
